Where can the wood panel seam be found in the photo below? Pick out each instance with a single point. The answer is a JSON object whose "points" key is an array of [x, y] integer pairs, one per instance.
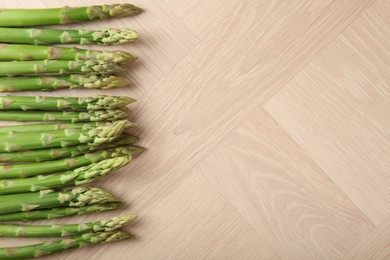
{"points": [[173, 14], [211, 184]]}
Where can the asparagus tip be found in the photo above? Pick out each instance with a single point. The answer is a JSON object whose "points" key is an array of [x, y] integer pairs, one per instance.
{"points": [[101, 67], [111, 82], [91, 195], [130, 100], [136, 150], [129, 124], [107, 102], [119, 36], [120, 10], [117, 236], [104, 237], [107, 132], [124, 57], [117, 222]]}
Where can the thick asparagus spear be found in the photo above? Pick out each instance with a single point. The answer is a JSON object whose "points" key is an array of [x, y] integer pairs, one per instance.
{"points": [[46, 248], [9, 171], [14, 52], [41, 155], [71, 116], [46, 199], [56, 67], [14, 84], [104, 225], [58, 126], [14, 141], [51, 36], [64, 15], [62, 103], [59, 212]]}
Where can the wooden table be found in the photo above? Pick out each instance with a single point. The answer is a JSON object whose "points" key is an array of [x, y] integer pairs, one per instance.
{"points": [[268, 129]]}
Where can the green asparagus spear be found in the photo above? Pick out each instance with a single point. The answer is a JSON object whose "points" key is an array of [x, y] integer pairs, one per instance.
{"points": [[41, 155], [56, 67], [14, 52], [62, 103], [14, 84], [58, 126], [64, 15], [59, 212], [15, 141], [46, 248], [71, 116], [9, 171], [26, 128], [51, 36], [104, 225], [46, 199]]}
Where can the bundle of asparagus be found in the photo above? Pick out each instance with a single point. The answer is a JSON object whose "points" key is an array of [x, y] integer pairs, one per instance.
{"points": [[86, 139], [24, 60]]}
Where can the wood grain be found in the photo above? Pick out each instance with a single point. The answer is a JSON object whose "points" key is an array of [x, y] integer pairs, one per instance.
{"points": [[339, 112], [283, 194], [267, 127]]}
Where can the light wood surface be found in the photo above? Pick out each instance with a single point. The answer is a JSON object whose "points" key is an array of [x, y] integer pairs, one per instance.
{"points": [[268, 131]]}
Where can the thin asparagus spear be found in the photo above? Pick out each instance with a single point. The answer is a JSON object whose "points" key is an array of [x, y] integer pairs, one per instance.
{"points": [[9, 171], [46, 248], [71, 116], [41, 155], [15, 52], [64, 15], [59, 126], [55, 67], [46, 199], [62, 103], [14, 84], [60, 36], [14, 141], [104, 225], [59, 212]]}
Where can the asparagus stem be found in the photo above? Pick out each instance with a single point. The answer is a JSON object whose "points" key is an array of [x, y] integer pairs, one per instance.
{"points": [[61, 103], [14, 141], [46, 199], [64, 15], [72, 81], [14, 52], [60, 36], [9, 171], [104, 225], [46, 248], [55, 67], [69, 151], [71, 116], [59, 126], [59, 212]]}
